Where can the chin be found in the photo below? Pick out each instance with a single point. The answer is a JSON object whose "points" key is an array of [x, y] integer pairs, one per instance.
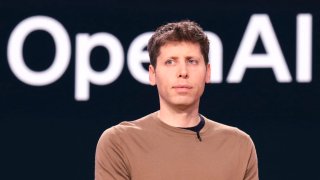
{"points": [[181, 102], [184, 104]]}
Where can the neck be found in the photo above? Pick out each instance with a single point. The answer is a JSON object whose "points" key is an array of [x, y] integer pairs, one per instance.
{"points": [[179, 117]]}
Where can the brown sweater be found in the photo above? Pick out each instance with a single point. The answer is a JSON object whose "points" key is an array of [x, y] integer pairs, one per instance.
{"points": [[148, 149]]}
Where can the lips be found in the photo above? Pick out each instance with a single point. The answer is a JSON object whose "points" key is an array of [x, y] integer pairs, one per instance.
{"points": [[182, 88]]}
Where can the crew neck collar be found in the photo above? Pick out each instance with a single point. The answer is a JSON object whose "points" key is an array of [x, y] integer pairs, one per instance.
{"points": [[178, 129], [198, 127]]}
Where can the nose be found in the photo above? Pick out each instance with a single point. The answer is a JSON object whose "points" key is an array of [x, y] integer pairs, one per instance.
{"points": [[183, 71]]}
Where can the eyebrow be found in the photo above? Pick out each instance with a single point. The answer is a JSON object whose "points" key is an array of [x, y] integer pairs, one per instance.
{"points": [[186, 57], [190, 57]]}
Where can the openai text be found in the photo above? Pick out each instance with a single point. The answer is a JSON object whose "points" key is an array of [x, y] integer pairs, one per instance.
{"points": [[259, 25]]}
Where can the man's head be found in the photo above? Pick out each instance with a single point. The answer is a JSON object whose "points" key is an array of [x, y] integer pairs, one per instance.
{"points": [[180, 68], [183, 31]]}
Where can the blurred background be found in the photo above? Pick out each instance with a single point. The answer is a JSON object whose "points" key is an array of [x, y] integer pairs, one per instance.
{"points": [[47, 132]]}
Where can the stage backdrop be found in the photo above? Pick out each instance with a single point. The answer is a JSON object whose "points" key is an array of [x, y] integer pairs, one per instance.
{"points": [[71, 69]]}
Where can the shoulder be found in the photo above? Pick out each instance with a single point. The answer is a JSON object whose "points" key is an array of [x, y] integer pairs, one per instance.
{"points": [[232, 138], [227, 131], [127, 128]]}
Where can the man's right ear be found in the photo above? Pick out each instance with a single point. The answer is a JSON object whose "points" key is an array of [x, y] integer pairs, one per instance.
{"points": [[152, 75]]}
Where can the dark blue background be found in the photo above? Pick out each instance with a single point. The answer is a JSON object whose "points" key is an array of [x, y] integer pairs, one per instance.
{"points": [[46, 134]]}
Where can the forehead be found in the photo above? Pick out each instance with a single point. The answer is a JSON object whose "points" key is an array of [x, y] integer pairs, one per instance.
{"points": [[180, 47]]}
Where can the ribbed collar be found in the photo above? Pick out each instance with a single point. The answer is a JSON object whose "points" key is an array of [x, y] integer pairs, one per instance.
{"points": [[178, 129]]}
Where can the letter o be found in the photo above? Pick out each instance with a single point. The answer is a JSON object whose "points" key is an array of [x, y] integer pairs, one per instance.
{"points": [[15, 50]]}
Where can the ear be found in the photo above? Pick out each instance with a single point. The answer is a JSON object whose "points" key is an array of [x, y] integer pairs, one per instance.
{"points": [[208, 73], [152, 75]]}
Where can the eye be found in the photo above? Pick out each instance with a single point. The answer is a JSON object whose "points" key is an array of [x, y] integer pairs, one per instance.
{"points": [[169, 61], [192, 61]]}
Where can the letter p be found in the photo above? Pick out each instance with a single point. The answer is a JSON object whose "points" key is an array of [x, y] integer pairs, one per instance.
{"points": [[84, 72]]}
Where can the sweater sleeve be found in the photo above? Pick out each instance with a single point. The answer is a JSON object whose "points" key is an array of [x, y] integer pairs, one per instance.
{"points": [[252, 167], [110, 161]]}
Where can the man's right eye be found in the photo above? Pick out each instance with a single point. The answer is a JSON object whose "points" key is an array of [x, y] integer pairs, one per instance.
{"points": [[169, 61]]}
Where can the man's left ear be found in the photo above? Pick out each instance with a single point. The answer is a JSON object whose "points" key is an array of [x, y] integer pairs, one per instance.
{"points": [[208, 73], [152, 75]]}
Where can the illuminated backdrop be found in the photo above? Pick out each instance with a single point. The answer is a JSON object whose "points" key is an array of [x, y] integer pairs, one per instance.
{"points": [[71, 69]]}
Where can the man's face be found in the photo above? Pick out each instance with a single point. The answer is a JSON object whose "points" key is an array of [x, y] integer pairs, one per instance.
{"points": [[180, 74]]}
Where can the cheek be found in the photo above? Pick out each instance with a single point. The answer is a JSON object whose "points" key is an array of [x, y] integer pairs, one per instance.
{"points": [[200, 81], [163, 82], [164, 76], [160, 80], [199, 75]]}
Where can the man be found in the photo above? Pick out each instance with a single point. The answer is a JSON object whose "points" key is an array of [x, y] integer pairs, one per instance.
{"points": [[176, 142]]}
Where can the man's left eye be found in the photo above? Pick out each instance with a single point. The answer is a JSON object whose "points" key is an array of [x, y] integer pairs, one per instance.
{"points": [[192, 61]]}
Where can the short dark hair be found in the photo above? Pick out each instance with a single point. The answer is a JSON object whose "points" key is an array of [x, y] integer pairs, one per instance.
{"points": [[186, 30]]}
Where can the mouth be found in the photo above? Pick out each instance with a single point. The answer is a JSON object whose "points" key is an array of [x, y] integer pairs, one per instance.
{"points": [[182, 88]]}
